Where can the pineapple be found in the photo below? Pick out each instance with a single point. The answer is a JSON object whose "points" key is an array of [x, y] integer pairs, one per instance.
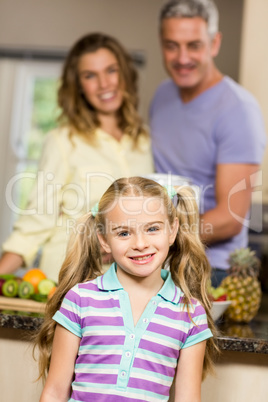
{"points": [[242, 285]]}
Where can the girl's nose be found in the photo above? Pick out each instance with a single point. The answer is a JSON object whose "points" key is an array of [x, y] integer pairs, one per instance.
{"points": [[141, 241]]}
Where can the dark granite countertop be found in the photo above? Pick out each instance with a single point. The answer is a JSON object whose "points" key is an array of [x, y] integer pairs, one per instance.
{"points": [[20, 320], [251, 338]]}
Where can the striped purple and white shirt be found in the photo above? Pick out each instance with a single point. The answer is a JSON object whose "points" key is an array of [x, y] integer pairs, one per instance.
{"points": [[116, 361]]}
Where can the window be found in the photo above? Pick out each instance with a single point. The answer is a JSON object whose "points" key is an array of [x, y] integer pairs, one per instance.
{"points": [[33, 113]]}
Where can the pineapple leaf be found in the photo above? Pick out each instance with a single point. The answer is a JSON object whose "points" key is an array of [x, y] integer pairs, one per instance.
{"points": [[244, 262]]}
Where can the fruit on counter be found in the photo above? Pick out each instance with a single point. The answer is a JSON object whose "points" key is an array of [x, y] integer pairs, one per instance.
{"points": [[26, 290], [34, 285], [10, 288], [2, 281], [51, 292], [223, 297], [242, 285], [34, 276], [217, 294], [45, 286]]}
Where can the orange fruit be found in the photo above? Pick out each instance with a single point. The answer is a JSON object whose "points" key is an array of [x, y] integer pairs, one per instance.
{"points": [[52, 291], [34, 276]]}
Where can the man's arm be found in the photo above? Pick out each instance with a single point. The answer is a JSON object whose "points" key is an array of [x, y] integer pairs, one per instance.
{"points": [[221, 222]]}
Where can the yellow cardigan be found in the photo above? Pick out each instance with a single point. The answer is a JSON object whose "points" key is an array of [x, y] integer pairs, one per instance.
{"points": [[71, 178]]}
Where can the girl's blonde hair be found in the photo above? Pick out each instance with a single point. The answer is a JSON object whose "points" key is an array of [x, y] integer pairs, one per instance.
{"points": [[76, 111], [189, 267]]}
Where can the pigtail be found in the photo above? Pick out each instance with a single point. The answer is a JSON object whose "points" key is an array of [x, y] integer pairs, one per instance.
{"points": [[82, 263], [189, 266], [188, 262]]}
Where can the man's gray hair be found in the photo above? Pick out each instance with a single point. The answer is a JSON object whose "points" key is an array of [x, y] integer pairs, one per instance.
{"points": [[205, 9]]}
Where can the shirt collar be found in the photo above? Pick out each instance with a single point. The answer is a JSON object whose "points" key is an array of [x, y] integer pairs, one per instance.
{"points": [[109, 280], [103, 135], [169, 291]]}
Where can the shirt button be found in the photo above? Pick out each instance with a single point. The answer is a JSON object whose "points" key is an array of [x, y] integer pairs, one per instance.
{"points": [[145, 320], [132, 336], [123, 374], [128, 354], [154, 302]]}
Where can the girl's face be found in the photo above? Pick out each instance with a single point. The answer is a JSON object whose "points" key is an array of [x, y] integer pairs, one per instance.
{"points": [[139, 235], [100, 82]]}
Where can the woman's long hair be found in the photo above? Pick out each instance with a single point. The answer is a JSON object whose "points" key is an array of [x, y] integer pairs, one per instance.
{"points": [[189, 267], [76, 111]]}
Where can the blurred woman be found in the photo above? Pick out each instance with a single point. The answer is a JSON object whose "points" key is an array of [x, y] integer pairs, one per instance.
{"points": [[100, 138]]}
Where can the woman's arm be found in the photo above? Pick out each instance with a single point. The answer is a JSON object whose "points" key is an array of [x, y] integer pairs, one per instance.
{"points": [[188, 377], [10, 262], [64, 352]]}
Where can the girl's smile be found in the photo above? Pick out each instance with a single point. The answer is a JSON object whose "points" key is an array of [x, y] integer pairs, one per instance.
{"points": [[143, 259]]}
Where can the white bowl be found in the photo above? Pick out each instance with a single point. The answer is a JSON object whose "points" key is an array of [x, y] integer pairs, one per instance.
{"points": [[218, 308], [168, 179]]}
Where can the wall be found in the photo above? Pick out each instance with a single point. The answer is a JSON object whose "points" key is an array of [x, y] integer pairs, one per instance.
{"points": [[230, 24], [254, 64]]}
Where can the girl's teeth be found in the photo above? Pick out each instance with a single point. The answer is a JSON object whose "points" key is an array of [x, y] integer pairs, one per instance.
{"points": [[142, 258]]}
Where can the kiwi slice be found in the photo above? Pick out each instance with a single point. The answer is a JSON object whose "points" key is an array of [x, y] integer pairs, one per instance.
{"points": [[45, 286], [26, 290], [10, 288]]}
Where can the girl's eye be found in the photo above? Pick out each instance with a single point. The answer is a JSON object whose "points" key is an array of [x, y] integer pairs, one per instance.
{"points": [[153, 229], [123, 234]]}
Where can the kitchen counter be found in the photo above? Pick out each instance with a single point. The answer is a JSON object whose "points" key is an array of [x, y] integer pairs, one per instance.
{"points": [[250, 338]]}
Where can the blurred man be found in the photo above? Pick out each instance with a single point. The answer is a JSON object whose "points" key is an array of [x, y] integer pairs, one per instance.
{"points": [[207, 127]]}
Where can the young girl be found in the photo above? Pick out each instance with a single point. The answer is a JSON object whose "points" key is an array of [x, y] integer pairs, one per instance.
{"points": [[100, 138], [124, 335]]}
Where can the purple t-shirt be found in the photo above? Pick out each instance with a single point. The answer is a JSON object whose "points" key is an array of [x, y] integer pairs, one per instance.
{"points": [[222, 125]]}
